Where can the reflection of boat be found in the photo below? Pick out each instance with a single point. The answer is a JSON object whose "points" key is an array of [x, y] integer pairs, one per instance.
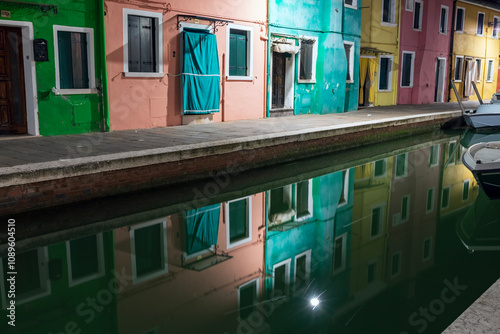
{"points": [[483, 160], [472, 137], [480, 227], [487, 115]]}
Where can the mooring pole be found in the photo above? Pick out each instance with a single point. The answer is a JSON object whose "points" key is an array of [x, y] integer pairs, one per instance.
{"points": [[458, 97], [477, 92]]}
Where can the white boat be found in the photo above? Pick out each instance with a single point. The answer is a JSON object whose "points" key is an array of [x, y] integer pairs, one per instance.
{"points": [[487, 115], [483, 160]]}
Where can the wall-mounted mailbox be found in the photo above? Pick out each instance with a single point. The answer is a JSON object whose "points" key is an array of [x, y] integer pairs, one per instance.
{"points": [[40, 49]]}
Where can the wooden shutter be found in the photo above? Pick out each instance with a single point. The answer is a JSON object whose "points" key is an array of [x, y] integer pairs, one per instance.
{"points": [[238, 53], [134, 40], [147, 47]]}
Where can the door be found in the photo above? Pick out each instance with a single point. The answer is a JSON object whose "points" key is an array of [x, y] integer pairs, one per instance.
{"points": [[12, 91], [470, 73], [278, 94], [440, 80]]}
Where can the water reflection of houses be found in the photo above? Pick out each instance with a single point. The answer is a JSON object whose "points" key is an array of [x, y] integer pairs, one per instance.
{"points": [[206, 261]]}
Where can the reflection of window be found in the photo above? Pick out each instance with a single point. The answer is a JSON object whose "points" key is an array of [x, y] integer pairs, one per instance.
{"points": [[380, 168], [303, 200], [480, 23], [344, 195], [405, 208], [85, 259], [459, 22], [302, 270], [339, 253], [280, 203], [281, 277], [496, 27], [402, 165], [407, 68], [239, 221], [389, 11], [451, 153], [489, 72], [433, 157], [385, 75], [427, 249], [372, 270], [459, 60], [240, 51], [396, 264], [430, 200], [478, 69], [307, 59], [351, 3], [445, 198], [417, 15], [34, 282], [443, 22], [409, 5], [149, 250], [247, 297], [465, 190], [376, 222], [349, 53]]}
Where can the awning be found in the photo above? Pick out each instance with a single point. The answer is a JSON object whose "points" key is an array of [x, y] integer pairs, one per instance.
{"points": [[281, 46], [200, 73], [202, 226], [374, 51]]}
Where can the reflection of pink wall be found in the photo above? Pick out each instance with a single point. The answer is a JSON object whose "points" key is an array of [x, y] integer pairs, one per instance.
{"points": [[427, 44], [187, 301], [155, 102]]}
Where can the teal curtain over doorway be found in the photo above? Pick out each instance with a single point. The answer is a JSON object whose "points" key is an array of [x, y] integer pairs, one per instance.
{"points": [[202, 226]]}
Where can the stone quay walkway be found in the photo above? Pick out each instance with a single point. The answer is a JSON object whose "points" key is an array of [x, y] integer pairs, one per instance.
{"points": [[38, 171]]}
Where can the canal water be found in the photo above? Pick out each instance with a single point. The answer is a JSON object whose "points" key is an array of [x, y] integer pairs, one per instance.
{"points": [[393, 238]]}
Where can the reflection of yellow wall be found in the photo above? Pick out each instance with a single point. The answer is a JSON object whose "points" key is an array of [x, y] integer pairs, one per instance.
{"points": [[383, 37], [368, 192], [468, 44]]}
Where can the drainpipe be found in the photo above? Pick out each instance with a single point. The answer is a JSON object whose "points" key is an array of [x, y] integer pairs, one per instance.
{"points": [[268, 74], [452, 38], [104, 71]]}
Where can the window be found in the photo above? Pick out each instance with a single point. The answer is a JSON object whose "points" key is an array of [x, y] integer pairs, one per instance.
{"points": [[478, 69], [372, 271], [430, 200], [239, 47], [34, 282], [247, 297], [496, 26], [344, 196], [74, 60], [489, 71], [307, 59], [433, 156], [349, 53], [385, 73], [459, 67], [239, 221], [302, 270], [427, 249], [402, 165], [409, 5], [451, 153], [459, 21], [149, 250], [351, 4], [280, 205], [405, 208], [407, 68], [389, 11], [339, 253], [445, 198], [480, 24], [417, 15], [376, 223], [443, 22], [281, 278], [465, 190], [85, 259], [380, 168], [303, 200], [396, 264], [143, 43]]}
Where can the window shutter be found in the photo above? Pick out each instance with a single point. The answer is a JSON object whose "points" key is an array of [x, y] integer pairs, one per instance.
{"points": [[147, 47], [134, 42], [79, 60], [65, 59], [233, 50], [241, 42]]}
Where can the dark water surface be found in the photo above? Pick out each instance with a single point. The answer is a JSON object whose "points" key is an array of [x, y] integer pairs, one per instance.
{"points": [[393, 238]]}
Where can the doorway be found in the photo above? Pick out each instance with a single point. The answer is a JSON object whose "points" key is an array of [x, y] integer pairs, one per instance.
{"points": [[278, 89], [12, 85], [440, 80]]}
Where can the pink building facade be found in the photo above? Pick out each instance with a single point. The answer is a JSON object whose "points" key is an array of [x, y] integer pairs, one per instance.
{"points": [[146, 52], [425, 34]]}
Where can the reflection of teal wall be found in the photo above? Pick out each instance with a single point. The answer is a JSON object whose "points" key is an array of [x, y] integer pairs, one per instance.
{"points": [[352, 33], [52, 313], [321, 19]]}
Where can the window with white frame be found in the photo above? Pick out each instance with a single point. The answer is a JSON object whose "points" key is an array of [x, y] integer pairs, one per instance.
{"points": [[489, 70], [389, 11], [426, 252], [247, 297], [339, 253], [496, 26], [430, 200], [344, 195], [239, 48], [351, 4], [460, 19], [401, 165], [405, 208], [417, 15], [34, 282], [465, 190], [407, 68], [434, 155], [479, 64], [443, 21], [349, 53], [379, 168], [396, 264], [281, 278], [239, 221], [409, 5], [377, 219], [445, 197], [307, 59], [149, 250], [459, 68], [302, 271], [303, 200], [74, 60], [385, 73], [85, 259], [142, 43], [480, 24], [451, 153], [280, 205]]}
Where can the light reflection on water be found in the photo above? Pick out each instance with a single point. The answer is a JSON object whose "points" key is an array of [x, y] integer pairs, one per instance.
{"points": [[393, 239]]}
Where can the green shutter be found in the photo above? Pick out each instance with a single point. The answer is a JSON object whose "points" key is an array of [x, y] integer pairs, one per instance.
{"points": [[238, 220], [238, 53], [233, 50], [148, 249]]}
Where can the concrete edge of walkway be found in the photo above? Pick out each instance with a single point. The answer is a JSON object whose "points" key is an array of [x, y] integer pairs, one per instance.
{"points": [[38, 172]]}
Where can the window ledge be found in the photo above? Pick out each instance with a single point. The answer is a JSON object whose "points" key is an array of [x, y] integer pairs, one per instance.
{"points": [[406, 86], [349, 81], [477, 35], [237, 78], [459, 31], [350, 6], [385, 90], [419, 29], [311, 81], [443, 33], [144, 74], [489, 81], [59, 91], [388, 24], [458, 80]]}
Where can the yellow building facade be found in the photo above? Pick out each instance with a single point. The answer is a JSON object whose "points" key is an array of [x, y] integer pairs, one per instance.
{"points": [[476, 50], [379, 52]]}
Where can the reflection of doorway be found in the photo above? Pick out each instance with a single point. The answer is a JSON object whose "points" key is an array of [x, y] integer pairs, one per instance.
{"points": [[278, 89], [12, 88], [440, 80]]}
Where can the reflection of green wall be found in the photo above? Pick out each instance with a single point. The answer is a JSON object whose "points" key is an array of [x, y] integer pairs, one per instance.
{"points": [[73, 113], [53, 312]]}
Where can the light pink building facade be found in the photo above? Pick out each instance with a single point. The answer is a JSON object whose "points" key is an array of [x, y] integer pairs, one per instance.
{"points": [[424, 49], [144, 65]]}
